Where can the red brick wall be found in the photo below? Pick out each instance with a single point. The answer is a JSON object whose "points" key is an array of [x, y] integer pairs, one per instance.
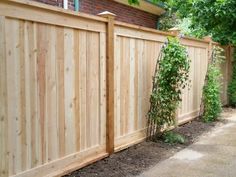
{"points": [[58, 3], [124, 13]]}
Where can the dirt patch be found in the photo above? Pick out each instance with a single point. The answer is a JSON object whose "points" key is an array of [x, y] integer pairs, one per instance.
{"points": [[140, 157]]}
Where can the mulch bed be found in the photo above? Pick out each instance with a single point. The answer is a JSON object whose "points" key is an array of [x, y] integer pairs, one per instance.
{"points": [[140, 157]]}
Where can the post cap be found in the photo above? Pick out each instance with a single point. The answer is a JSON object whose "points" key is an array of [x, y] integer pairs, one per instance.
{"points": [[107, 14], [207, 38], [174, 31]]}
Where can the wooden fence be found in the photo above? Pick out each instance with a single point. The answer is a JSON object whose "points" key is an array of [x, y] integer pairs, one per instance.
{"points": [[76, 87]]}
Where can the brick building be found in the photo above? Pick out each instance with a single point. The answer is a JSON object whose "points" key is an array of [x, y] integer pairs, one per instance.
{"points": [[146, 14]]}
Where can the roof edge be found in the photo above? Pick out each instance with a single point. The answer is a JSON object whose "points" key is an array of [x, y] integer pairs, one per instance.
{"points": [[145, 6]]}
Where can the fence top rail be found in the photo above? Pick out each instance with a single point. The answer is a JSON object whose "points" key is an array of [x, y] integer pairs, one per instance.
{"points": [[59, 10], [33, 4], [145, 29]]}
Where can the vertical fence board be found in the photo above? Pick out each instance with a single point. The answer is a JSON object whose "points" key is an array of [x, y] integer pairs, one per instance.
{"points": [[102, 83], [41, 57], [3, 102], [136, 84], [13, 100], [125, 89], [60, 89], [117, 76], [83, 90], [131, 118], [92, 89], [77, 90], [69, 91], [140, 58], [34, 143], [29, 103]]}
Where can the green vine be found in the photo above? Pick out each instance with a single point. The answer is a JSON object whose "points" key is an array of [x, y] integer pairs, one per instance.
{"points": [[169, 80], [232, 85], [212, 87]]}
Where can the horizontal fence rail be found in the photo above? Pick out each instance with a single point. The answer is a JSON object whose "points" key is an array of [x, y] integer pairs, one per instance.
{"points": [[74, 88]]}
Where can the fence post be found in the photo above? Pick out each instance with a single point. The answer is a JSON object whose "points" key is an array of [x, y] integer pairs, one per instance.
{"points": [[109, 80], [210, 46], [230, 66], [175, 31]]}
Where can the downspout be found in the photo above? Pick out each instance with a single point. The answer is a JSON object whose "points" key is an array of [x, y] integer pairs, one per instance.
{"points": [[65, 4], [76, 2]]}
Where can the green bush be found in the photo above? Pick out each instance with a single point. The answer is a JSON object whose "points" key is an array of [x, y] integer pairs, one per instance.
{"points": [[212, 88], [168, 82], [211, 95], [173, 138], [232, 85]]}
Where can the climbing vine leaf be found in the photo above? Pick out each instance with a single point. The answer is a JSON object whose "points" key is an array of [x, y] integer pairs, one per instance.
{"points": [[169, 80]]}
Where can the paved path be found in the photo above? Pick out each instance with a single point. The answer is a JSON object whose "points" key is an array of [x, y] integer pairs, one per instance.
{"points": [[214, 155]]}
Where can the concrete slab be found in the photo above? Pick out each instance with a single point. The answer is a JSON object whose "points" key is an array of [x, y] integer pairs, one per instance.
{"points": [[214, 155]]}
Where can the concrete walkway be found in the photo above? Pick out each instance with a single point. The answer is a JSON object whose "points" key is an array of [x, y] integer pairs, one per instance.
{"points": [[214, 155]]}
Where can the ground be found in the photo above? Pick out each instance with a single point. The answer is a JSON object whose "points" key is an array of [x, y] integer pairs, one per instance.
{"points": [[145, 158], [213, 155]]}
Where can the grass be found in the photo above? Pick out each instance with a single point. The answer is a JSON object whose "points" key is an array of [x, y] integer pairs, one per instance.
{"points": [[172, 138]]}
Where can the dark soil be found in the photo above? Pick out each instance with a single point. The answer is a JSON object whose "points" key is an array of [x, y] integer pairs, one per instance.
{"points": [[140, 157]]}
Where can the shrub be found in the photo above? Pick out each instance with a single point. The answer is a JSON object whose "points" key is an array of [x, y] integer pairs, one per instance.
{"points": [[211, 95], [168, 81], [173, 138], [211, 90]]}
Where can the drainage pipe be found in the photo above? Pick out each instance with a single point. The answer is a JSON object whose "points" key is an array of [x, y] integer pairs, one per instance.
{"points": [[76, 2], [65, 4]]}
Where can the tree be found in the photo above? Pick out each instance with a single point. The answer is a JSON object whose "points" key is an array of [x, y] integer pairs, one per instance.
{"points": [[214, 17], [208, 17]]}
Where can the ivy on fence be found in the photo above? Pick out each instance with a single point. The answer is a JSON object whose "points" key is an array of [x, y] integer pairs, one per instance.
{"points": [[212, 88], [171, 74]]}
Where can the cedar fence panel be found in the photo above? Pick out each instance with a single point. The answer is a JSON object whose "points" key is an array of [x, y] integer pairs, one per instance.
{"points": [[137, 50], [53, 90], [57, 92]]}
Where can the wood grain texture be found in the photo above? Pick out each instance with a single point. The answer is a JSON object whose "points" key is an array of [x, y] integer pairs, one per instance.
{"points": [[110, 67], [60, 89], [4, 171], [55, 95], [70, 144], [83, 88], [77, 90], [136, 55], [110, 84], [75, 87], [103, 89], [23, 10]]}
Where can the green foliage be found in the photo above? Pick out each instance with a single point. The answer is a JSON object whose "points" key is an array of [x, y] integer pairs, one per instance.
{"points": [[232, 85], [216, 18], [167, 21], [168, 82], [211, 95], [219, 19], [211, 90], [135, 2], [173, 138]]}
